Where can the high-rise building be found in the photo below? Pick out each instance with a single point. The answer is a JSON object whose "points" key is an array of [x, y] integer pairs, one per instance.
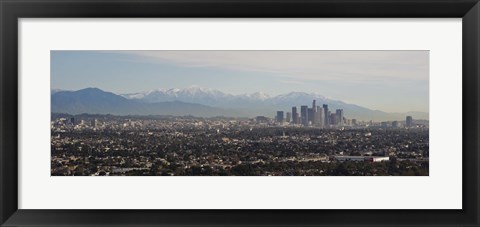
{"points": [[261, 119], [279, 116], [289, 116], [354, 121], [72, 121], [319, 117], [295, 115], [314, 113], [339, 115], [409, 121], [311, 116], [326, 114], [304, 115], [394, 124], [332, 118]]}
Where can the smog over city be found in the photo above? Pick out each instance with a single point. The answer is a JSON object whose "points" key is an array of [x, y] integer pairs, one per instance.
{"points": [[239, 113]]}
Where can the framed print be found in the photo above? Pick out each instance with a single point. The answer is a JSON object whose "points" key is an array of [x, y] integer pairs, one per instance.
{"points": [[239, 113]]}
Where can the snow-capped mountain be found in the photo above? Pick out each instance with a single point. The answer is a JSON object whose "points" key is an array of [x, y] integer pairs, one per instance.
{"points": [[203, 95], [259, 103], [194, 94], [255, 96], [200, 101]]}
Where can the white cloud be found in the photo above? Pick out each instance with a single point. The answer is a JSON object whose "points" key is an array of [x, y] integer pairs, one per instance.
{"points": [[358, 66], [291, 82]]}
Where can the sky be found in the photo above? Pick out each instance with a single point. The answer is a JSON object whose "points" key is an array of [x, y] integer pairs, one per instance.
{"points": [[391, 81]]}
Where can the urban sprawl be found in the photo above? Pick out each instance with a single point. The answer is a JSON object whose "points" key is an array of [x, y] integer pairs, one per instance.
{"points": [[312, 142]]}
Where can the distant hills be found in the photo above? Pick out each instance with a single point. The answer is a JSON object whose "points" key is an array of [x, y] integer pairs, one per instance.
{"points": [[204, 102], [96, 101]]}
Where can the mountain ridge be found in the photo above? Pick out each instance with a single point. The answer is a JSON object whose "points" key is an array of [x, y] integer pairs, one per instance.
{"points": [[211, 102]]}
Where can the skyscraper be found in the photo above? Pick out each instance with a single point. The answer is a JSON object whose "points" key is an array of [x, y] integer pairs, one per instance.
{"points": [[409, 121], [304, 114], [339, 117], [289, 116], [319, 116], [311, 116], [295, 115], [314, 113], [279, 116], [332, 118], [326, 114]]}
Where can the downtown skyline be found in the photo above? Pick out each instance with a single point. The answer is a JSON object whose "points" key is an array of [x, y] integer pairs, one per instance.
{"points": [[390, 81]]}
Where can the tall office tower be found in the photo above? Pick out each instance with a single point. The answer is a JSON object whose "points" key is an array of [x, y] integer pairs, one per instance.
{"points": [[295, 115], [304, 115], [332, 119], [326, 114], [319, 117], [339, 114], [279, 116], [314, 113], [409, 121], [311, 116], [72, 121], [354, 121], [289, 116]]}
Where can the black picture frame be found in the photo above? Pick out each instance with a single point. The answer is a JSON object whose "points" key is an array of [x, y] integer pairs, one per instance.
{"points": [[12, 10]]}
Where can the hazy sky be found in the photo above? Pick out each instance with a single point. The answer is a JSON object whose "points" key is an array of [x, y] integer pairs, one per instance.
{"points": [[392, 81]]}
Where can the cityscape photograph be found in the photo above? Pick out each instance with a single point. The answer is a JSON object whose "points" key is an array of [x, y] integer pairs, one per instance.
{"points": [[239, 113]]}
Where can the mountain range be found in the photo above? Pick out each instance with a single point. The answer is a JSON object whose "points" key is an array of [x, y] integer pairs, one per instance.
{"points": [[204, 102]]}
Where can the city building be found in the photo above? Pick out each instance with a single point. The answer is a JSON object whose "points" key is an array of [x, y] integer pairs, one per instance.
{"points": [[339, 117], [310, 116], [409, 121], [261, 119], [362, 158], [351, 158], [394, 124], [304, 115], [94, 123], [315, 116], [376, 159], [332, 118], [326, 114], [319, 117], [295, 115], [280, 116], [384, 124]]}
